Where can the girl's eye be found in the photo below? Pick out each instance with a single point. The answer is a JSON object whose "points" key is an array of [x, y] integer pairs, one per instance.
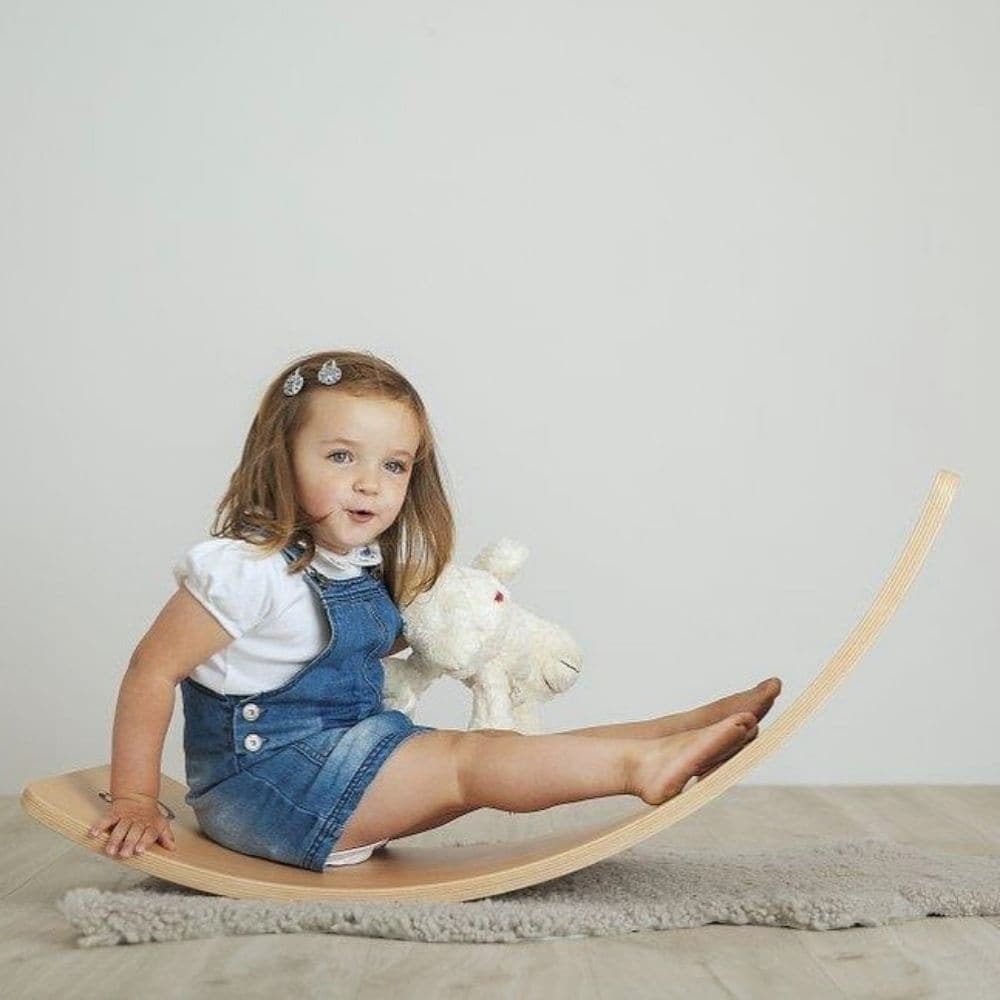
{"points": [[333, 455]]}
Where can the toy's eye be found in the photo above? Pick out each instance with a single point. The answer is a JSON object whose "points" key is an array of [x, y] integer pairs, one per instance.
{"points": [[498, 596]]}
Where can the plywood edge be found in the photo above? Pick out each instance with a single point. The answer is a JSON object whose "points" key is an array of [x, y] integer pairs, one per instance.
{"points": [[459, 873]]}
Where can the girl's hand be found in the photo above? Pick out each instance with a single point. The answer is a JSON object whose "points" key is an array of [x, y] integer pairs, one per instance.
{"points": [[137, 823]]}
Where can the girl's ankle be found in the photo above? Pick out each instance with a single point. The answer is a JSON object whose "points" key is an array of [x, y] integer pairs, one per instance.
{"points": [[631, 762]]}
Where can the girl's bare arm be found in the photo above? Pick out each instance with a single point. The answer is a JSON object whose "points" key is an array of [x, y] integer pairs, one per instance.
{"points": [[183, 635]]}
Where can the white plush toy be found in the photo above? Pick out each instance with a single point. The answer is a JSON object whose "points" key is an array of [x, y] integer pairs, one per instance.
{"points": [[466, 626]]}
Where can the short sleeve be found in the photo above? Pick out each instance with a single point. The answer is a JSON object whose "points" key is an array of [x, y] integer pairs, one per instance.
{"points": [[233, 580]]}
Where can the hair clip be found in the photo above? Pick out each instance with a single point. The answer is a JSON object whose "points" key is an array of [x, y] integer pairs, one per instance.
{"points": [[293, 384], [329, 373]]}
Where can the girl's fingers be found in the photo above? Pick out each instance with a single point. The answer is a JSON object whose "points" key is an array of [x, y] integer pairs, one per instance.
{"points": [[126, 833], [132, 838], [117, 835], [102, 824], [147, 839]]}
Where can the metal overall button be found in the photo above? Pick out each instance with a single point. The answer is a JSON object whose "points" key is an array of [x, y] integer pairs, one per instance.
{"points": [[251, 712], [253, 742]]}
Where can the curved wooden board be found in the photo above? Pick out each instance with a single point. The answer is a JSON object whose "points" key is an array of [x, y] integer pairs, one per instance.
{"points": [[69, 803]]}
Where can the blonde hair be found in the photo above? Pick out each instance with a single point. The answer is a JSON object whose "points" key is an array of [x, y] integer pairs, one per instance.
{"points": [[260, 505]]}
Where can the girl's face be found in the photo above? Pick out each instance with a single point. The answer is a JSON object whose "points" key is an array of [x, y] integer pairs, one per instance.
{"points": [[353, 453]]}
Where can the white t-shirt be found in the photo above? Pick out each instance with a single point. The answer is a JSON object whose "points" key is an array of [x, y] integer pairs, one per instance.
{"points": [[275, 619]]}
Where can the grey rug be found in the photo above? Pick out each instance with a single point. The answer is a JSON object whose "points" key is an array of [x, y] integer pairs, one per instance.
{"points": [[822, 886]]}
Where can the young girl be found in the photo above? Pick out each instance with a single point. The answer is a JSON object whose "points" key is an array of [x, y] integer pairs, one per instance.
{"points": [[334, 518]]}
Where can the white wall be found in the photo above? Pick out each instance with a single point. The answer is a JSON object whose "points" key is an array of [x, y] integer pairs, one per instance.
{"points": [[700, 298]]}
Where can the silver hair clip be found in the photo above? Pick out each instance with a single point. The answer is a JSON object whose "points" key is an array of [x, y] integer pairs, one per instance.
{"points": [[329, 374], [293, 384]]}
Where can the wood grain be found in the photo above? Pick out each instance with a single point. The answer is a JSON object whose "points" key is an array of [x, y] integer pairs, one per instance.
{"points": [[69, 803]]}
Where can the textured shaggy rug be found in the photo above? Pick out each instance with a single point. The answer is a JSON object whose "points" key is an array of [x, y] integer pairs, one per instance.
{"points": [[823, 886]]}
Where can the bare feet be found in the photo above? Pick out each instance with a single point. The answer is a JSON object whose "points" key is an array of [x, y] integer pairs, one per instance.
{"points": [[757, 699], [661, 771]]}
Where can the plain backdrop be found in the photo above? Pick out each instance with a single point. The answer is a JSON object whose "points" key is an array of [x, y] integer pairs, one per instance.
{"points": [[699, 296]]}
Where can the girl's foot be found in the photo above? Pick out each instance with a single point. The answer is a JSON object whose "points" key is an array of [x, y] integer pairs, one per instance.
{"points": [[661, 771], [757, 699]]}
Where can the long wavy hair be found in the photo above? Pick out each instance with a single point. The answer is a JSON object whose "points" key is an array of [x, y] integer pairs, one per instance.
{"points": [[260, 506]]}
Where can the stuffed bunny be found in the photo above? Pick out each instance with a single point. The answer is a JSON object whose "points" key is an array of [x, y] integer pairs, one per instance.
{"points": [[466, 626]]}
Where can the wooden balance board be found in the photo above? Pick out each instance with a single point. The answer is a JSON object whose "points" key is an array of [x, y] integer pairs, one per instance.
{"points": [[70, 803]]}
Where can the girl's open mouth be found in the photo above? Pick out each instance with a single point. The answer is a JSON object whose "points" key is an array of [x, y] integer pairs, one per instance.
{"points": [[360, 518]]}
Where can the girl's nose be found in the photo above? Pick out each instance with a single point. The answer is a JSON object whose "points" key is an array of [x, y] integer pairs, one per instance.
{"points": [[366, 479]]}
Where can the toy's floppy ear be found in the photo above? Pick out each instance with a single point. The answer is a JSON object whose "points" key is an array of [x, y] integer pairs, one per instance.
{"points": [[503, 558]]}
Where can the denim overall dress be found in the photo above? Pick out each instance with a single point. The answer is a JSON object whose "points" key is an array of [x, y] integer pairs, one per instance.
{"points": [[278, 774]]}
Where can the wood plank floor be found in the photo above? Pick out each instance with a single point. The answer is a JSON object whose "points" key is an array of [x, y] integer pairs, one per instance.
{"points": [[935, 957]]}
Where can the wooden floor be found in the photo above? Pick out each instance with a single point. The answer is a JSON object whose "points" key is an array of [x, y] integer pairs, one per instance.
{"points": [[934, 957]]}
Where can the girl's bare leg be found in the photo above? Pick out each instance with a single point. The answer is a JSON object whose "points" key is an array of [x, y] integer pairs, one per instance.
{"points": [[757, 699], [434, 777]]}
